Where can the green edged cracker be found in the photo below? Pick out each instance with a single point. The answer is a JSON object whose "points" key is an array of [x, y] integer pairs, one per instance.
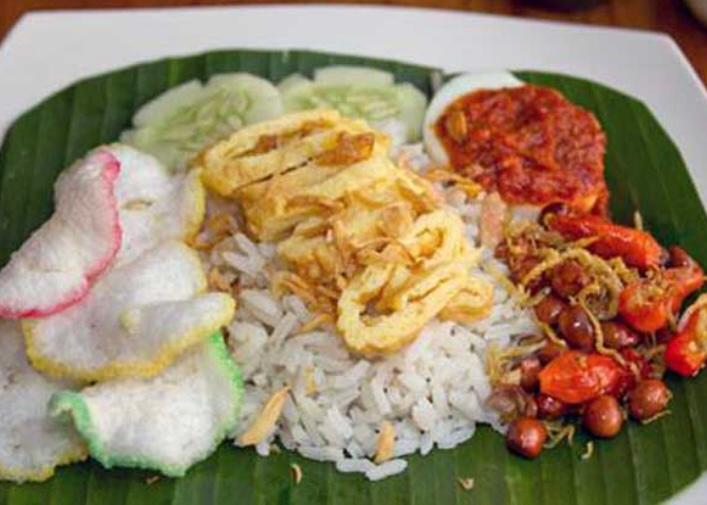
{"points": [[166, 423]]}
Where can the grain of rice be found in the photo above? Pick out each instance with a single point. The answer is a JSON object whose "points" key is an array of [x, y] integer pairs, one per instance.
{"points": [[246, 245], [426, 444], [295, 305], [262, 305], [379, 397], [283, 328], [352, 376], [439, 398], [405, 447], [267, 249], [321, 453], [299, 435], [387, 469], [424, 414], [344, 399], [412, 381], [455, 438], [243, 263], [341, 423], [262, 448], [357, 465]]}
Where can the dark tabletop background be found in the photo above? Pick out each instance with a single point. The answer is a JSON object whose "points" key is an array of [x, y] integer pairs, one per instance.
{"points": [[668, 16]]}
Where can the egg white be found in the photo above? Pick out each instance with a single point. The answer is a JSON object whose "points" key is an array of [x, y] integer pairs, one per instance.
{"points": [[449, 92]]}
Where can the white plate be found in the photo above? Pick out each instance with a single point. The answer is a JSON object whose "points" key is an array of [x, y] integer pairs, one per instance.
{"points": [[47, 51]]}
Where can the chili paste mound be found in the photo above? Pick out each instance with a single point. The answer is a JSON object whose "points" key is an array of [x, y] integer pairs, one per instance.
{"points": [[528, 143]]}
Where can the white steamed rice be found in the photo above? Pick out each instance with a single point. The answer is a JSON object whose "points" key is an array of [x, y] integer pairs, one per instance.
{"points": [[432, 391]]}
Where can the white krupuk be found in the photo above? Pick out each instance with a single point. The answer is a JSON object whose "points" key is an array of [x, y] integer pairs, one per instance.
{"points": [[134, 322], [32, 444]]}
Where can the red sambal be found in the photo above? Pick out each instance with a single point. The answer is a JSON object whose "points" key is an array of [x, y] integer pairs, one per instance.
{"points": [[528, 143]]}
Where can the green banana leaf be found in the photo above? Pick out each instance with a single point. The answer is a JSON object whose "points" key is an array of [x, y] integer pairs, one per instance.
{"points": [[644, 464]]}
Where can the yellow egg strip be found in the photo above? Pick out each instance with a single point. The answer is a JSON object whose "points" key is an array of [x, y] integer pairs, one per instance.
{"points": [[355, 234]]}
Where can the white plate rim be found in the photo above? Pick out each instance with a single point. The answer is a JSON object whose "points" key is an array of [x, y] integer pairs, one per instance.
{"points": [[641, 63]]}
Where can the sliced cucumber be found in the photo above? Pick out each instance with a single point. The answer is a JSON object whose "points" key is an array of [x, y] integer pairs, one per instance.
{"points": [[261, 100], [293, 86], [337, 75], [414, 111], [176, 125], [359, 92], [181, 96]]}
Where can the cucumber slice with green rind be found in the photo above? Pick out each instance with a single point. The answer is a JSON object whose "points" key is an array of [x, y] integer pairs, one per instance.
{"points": [[167, 423], [338, 75], [413, 113], [180, 96], [358, 92], [294, 86], [178, 124]]}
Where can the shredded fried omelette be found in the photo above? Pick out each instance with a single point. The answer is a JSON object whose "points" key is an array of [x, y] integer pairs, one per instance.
{"points": [[367, 243]]}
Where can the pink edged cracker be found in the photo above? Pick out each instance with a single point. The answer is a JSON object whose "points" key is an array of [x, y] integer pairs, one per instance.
{"points": [[57, 265]]}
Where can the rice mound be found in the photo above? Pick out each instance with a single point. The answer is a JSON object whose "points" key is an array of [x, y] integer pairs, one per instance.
{"points": [[433, 391]]}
